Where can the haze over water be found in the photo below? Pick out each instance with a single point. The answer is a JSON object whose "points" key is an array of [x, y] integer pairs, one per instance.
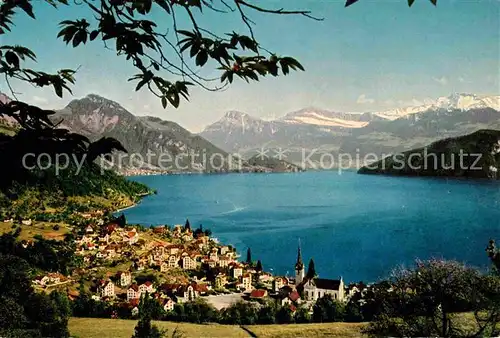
{"points": [[357, 226]]}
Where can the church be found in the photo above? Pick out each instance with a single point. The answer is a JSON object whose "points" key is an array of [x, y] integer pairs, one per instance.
{"points": [[315, 288]]}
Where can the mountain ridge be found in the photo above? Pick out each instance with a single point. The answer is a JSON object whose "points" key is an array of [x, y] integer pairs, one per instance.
{"points": [[95, 116], [475, 155], [336, 132]]}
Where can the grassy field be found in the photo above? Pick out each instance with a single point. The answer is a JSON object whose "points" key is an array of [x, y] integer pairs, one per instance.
{"points": [[344, 330], [121, 328], [37, 228]]}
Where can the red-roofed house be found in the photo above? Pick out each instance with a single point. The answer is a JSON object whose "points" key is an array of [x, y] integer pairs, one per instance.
{"points": [[159, 229], [106, 288], [167, 304], [146, 287], [279, 282], [258, 294], [131, 237], [133, 292]]}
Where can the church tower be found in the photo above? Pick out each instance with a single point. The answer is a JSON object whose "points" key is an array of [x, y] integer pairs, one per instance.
{"points": [[299, 268]]}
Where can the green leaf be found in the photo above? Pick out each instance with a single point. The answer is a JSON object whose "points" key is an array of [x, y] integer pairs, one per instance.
{"points": [[410, 2], [293, 63], [12, 59], [434, 2], [141, 83], [187, 33], [173, 98], [194, 49], [163, 4], [284, 67], [201, 58], [80, 37], [58, 88], [93, 35], [27, 7], [350, 2], [185, 46], [164, 102]]}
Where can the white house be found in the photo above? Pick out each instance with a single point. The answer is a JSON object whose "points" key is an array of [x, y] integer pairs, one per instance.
{"points": [[106, 288], [168, 304], [188, 263], [133, 292], [237, 271], [146, 287], [125, 278]]}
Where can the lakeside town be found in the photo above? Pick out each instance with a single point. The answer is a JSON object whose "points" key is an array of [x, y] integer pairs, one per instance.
{"points": [[179, 264]]}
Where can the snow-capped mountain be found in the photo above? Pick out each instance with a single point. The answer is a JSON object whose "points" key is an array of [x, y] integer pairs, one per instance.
{"points": [[326, 118], [458, 101], [307, 128], [388, 131]]}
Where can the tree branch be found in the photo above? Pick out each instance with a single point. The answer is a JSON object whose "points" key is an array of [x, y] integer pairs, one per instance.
{"points": [[277, 11]]}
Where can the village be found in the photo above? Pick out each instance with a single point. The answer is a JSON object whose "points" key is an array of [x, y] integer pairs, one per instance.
{"points": [[175, 265]]}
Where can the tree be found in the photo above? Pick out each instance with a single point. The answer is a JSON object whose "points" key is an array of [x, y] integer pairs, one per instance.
{"points": [[144, 328], [198, 311], [198, 231], [326, 309], [258, 267], [25, 313], [423, 300], [267, 313], [311, 271], [284, 315], [121, 220], [353, 311], [494, 255], [302, 315], [249, 257], [240, 313], [187, 225]]}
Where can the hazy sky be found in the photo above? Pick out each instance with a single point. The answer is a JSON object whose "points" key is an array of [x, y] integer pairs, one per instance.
{"points": [[374, 55]]}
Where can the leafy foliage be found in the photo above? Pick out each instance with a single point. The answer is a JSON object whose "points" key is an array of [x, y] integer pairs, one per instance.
{"points": [[470, 155], [259, 267], [144, 328], [494, 255], [326, 309], [423, 302], [25, 313], [41, 190], [46, 255]]}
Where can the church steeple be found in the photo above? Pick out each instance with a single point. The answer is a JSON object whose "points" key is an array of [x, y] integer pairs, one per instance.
{"points": [[299, 267]]}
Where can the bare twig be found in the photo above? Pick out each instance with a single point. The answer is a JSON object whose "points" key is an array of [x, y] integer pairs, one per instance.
{"points": [[277, 11]]}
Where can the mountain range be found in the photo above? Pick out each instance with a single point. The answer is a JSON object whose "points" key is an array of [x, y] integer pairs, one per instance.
{"points": [[152, 143], [324, 131], [95, 117], [262, 145]]}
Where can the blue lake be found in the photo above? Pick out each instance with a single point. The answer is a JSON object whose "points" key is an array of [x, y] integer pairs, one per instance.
{"points": [[357, 226]]}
